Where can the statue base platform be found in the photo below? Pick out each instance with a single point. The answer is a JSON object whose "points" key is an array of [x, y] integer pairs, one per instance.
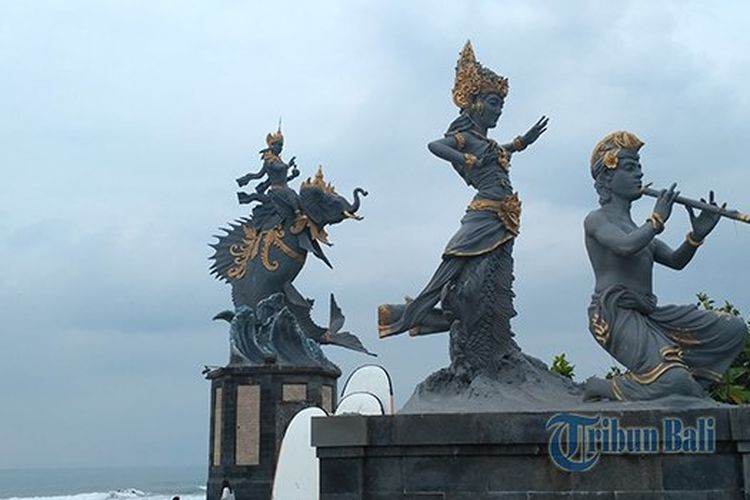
{"points": [[251, 407], [506, 455]]}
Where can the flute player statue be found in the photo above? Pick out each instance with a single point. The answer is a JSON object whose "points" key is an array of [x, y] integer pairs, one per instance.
{"points": [[667, 350]]}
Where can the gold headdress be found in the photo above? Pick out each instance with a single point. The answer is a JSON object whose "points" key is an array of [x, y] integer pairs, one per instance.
{"points": [[473, 79], [319, 183], [607, 149], [275, 137]]}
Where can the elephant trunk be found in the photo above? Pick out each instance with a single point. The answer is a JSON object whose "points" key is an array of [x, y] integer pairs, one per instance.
{"points": [[353, 207]]}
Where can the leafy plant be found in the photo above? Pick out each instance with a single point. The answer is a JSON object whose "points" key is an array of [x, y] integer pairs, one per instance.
{"points": [[734, 386], [707, 303], [562, 367]]}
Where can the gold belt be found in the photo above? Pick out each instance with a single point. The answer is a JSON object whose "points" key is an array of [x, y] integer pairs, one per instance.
{"points": [[508, 210]]}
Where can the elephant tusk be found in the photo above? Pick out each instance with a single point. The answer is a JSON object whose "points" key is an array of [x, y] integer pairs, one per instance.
{"points": [[350, 215]]}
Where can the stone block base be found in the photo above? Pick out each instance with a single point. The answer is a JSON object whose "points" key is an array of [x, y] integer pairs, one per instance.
{"points": [[251, 407], [507, 456]]}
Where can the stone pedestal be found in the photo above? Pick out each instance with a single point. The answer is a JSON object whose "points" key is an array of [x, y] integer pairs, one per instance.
{"points": [[251, 407], [506, 456]]}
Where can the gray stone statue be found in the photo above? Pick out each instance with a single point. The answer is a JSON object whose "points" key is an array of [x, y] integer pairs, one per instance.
{"points": [[667, 350], [260, 256], [473, 282]]}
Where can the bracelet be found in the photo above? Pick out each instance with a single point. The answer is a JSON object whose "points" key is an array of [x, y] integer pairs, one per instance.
{"points": [[693, 243], [518, 143], [460, 140], [470, 160], [656, 221], [502, 160]]}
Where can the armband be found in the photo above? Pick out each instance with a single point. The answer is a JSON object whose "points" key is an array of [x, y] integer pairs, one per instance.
{"points": [[460, 140], [518, 143]]}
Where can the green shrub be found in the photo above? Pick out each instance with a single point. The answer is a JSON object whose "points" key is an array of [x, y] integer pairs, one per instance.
{"points": [[734, 386], [562, 367]]}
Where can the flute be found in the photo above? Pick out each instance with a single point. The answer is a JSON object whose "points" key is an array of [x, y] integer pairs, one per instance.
{"points": [[702, 205]]}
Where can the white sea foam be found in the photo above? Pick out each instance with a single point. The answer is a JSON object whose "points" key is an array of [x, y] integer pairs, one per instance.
{"points": [[126, 494]]}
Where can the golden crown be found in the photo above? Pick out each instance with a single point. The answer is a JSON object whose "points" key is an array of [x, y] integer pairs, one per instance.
{"points": [[319, 183], [274, 137], [473, 79], [608, 148]]}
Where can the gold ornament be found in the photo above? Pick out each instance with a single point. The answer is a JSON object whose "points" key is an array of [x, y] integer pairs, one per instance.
{"points": [[503, 160], [319, 183], [274, 237], [600, 328], [473, 79], [508, 210], [274, 137], [608, 148], [460, 140], [316, 233], [656, 221], [244, 252], [511, 213], [257, 243], [384, 320]]}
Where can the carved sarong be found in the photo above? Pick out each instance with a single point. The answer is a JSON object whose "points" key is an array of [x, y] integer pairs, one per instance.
{"points": [[667, 350]]}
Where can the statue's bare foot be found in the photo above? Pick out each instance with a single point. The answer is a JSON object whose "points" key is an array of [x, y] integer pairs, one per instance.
{"points": [[597, 388]]}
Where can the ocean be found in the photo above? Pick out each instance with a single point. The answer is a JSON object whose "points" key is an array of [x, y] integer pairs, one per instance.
{"points": [[104, 483]]}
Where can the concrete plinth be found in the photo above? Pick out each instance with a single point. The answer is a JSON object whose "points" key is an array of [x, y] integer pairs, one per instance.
{"points": [[251, 407], [506, 456]]}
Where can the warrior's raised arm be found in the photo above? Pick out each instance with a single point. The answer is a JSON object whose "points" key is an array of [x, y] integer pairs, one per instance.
{"points": [[242, 181]]}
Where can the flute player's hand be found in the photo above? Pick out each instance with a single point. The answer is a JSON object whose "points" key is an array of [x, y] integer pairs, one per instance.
{"points": [[706, 221], [664, 202]]}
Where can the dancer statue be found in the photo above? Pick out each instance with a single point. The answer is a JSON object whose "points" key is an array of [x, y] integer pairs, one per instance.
{"points": [[667, 350], [474, 280]]}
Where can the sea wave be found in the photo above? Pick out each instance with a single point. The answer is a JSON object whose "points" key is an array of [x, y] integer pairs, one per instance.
{"points": [[124, 494]]}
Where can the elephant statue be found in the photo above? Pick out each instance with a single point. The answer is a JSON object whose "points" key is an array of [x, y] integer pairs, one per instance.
{"points": [[261, 255]]}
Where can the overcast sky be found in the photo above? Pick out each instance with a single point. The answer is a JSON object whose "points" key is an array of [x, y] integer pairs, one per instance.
{"points": [[123, 125]]}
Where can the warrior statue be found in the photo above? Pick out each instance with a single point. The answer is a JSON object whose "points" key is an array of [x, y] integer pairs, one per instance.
{"points": [[285, 202], [667, 350], [473, 282], [260, 255]]}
